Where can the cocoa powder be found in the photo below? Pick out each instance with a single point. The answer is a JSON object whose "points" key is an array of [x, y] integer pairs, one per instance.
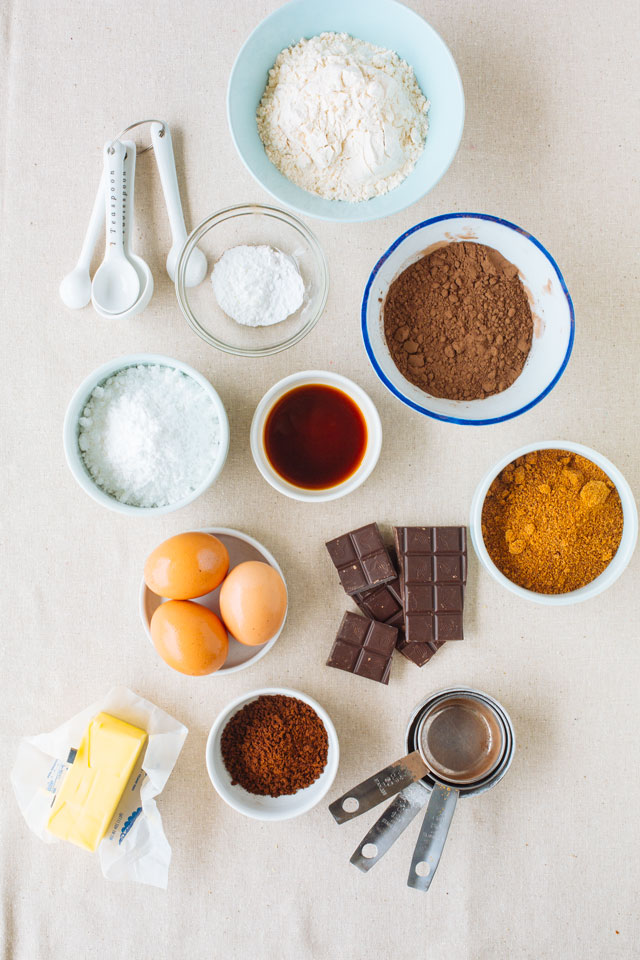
{"points": [[274, 746], [458, 323]]}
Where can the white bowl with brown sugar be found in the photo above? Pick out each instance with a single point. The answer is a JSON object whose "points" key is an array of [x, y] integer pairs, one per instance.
{"points": [[614, 568]]}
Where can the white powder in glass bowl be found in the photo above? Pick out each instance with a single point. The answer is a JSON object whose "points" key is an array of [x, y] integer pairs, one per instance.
{"points": [[149, 435], [257, 285], [342, 118]]}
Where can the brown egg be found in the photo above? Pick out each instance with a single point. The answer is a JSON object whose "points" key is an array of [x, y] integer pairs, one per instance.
{"points": [[253, 602], [186, 566], [189, 637]]}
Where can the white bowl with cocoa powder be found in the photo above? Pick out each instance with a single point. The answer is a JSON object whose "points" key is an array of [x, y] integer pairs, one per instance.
{"points": [[620, 559], [551, 307]]}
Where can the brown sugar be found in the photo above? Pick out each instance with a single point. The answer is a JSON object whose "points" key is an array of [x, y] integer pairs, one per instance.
{"points": [[552, 521], [458, 323]]}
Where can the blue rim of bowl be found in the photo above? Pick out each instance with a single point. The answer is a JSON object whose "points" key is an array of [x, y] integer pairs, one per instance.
{"points": [[318, 216], [416, 406]]}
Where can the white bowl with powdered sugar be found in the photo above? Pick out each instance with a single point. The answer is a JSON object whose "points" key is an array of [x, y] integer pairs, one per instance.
{"points": [[145, 434]]}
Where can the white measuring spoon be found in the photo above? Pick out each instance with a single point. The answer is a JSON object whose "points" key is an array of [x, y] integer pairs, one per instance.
{"points": [[197, 263], [142, 268], [116, 285], [75, 289]]}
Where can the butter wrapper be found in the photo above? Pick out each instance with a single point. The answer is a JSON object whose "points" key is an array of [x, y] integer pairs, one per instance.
{"points": [[135, 846]]}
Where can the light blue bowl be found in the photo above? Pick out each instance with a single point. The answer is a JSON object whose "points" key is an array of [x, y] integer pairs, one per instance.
{"points": [[382, 22]]}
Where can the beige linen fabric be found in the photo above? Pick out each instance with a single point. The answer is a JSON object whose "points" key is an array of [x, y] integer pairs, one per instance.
{"points": [[546, 865]]}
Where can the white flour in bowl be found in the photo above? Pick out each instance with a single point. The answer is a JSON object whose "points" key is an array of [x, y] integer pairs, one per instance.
{"points": [[342, 118], [149, 435]]}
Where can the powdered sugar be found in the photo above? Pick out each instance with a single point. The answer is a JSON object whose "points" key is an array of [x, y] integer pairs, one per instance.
{"points": [[257, 285], [342, 118], [149, 435]]}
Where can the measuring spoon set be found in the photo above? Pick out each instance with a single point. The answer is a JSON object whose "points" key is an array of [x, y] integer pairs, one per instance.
{"points": [[461, 743], [123, 283]]}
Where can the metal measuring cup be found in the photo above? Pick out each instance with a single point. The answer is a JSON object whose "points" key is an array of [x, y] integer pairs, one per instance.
{"points": [[420, 777]]}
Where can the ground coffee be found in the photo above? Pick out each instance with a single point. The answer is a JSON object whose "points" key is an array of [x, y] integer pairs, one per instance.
{"points": [[274, 746], [458, 323]]}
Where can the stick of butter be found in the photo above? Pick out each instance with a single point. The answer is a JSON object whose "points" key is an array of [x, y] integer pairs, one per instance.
{"points": [[91, 790]]}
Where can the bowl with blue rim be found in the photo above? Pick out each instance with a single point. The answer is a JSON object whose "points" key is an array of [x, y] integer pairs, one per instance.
{"points": [[551, 308]]}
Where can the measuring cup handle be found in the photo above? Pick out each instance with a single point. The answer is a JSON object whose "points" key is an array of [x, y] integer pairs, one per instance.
{"points": [[382, 785], [386, 830], [114, 194], [432, 836]]}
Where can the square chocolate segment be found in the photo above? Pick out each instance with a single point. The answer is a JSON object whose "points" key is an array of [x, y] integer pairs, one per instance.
{"points": [[433, 573], [361, 559], [364, 647], [418, 653], [383, 603]]}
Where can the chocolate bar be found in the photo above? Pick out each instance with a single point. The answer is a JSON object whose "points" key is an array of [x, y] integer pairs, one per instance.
{"points": [[361, 559], [433, 574], [383, 603], [364, 647]]}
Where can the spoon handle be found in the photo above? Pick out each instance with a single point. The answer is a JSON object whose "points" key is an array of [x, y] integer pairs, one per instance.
{"points": [[432, 836], [114, 196], [94, 229], [163, 150], [372, 791], [129, 185]]}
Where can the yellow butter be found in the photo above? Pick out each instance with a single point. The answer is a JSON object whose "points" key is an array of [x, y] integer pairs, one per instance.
{"points": [[90, 792]]}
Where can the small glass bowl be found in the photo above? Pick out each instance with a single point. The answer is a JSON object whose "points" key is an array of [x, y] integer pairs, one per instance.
{"points": [[252, 224]]}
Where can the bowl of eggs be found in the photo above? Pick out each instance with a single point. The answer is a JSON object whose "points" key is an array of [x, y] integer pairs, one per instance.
{"points": [[212, 601]]}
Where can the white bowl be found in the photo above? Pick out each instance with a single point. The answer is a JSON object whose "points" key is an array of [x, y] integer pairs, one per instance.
{"points": [[369, 412], [551, 306], [241, 548], [79, 402], [623, 554], [384, 23], [269, 808]]}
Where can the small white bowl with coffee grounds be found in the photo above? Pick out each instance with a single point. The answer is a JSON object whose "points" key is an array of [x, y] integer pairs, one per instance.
{"points": [[256, 743], [495, 327], [145, 434]]}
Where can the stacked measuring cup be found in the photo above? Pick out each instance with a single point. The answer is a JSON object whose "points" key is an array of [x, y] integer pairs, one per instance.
{"points": [[123, 283], [461, 743]]}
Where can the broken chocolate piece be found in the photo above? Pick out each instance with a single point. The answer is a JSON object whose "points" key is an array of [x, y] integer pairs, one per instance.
{"points": [[364, 647], [361, 559], [383, 603]]}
